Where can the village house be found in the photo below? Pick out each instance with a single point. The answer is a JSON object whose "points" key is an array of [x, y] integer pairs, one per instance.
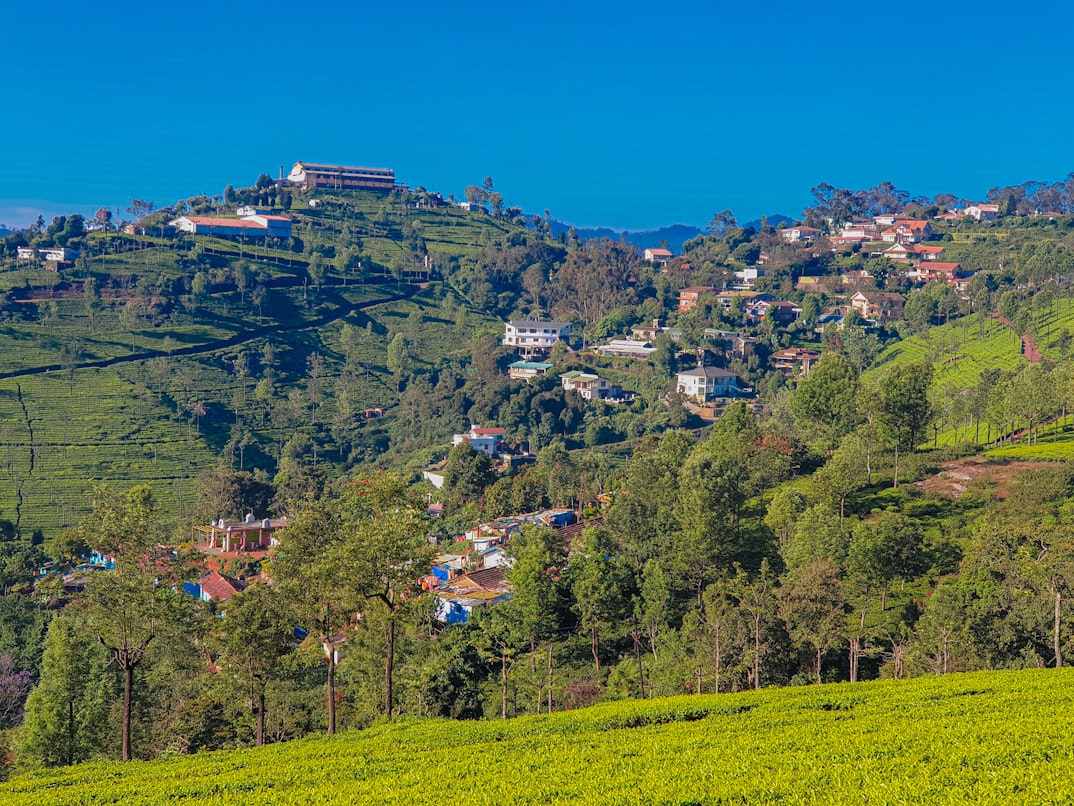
{"points": [[216, 587], [746, 278], [690, 298], [780, 311], [907, 231], [253, 226], [488, 441], [858, 231], [592, 387], [706, 383], [626, 348], [727, 298], [527, 370], [658, 257], [535, 338], [794, 360], [982, 212], [878, 306], [458, 597], [935, 270], [800, 234], [647, 332]]}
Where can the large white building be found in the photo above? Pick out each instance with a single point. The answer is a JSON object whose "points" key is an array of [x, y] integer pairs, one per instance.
{"points": [[705, 383], [251, 226], [535, 338]]}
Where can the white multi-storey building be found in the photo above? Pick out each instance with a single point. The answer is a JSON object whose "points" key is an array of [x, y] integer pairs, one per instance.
{"points": [[535, 338]]}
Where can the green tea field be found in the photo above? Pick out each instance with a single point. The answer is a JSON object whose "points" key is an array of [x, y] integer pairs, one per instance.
{"points": [[994, 737]]}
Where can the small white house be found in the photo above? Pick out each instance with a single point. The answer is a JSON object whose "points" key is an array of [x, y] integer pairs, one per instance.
{"points": [[482, 440]]}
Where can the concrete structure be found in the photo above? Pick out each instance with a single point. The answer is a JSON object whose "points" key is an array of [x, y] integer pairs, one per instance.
{"points": [[482, 440], [255, 226], [878, 306], [249, 534], [527, 370], [590, 386], [535, 338], [310, 175], [626, 348], [705, 383]]}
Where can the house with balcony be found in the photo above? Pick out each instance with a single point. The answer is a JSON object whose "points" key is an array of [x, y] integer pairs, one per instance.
{"points": [[690, 298], [535, 338], [592, 387], [706, 383], [488, 441], [878, 306]]}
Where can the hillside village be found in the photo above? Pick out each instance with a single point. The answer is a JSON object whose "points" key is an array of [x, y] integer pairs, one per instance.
{"points": [[358, 450]]}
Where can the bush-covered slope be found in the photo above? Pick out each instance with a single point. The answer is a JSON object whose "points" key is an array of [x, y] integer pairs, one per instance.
{"points": [[998, 737]]}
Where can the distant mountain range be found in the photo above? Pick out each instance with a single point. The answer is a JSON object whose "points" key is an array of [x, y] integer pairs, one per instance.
{"points": [[4, 231], [675, 235]]}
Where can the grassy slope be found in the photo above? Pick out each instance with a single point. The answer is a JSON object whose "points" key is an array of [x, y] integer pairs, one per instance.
{"points": [[990, 737], [961, 349], [133, 422]]}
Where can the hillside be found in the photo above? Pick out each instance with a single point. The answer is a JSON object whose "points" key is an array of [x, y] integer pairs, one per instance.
{"points": [[155, 358], [996, 737]]}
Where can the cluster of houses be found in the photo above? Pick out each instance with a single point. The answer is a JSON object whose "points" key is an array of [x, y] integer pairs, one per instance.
{"points": [[472, 572]]}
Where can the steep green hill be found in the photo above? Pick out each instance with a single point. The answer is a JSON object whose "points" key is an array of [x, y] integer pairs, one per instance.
{"points": [[155, 358], [998, 737]]}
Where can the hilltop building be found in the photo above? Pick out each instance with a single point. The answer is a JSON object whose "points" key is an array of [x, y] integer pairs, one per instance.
{"points": [[310, 175]]}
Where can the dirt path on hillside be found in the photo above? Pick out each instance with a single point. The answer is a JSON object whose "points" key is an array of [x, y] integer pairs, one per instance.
{"points": [[1029, 346]]}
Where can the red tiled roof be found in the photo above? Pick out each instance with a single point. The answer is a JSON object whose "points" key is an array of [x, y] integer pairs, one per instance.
{"points": [[488, 432], [209, 221], [938, 267], [218, 587]]}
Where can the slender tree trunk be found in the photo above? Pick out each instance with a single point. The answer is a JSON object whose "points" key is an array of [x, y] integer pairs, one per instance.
{"points": [[549, 677], [595, 647], [637, 656], [896, 483], [1056, 635], [389, 667], [820, 659], [503, 683], [331, 690], [261, 717], [719, 657], [70, 749], [855, 651], [128, 685], [757, 652]]}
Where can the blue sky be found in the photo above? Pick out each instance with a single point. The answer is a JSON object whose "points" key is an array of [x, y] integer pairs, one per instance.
{"points": [[628, 115]]}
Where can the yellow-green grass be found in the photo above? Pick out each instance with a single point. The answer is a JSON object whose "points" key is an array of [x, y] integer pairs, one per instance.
{"points": [[996, 737]]}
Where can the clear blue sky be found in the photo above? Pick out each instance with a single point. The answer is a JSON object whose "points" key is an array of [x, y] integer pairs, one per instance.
{"points": [[631, 115]]}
